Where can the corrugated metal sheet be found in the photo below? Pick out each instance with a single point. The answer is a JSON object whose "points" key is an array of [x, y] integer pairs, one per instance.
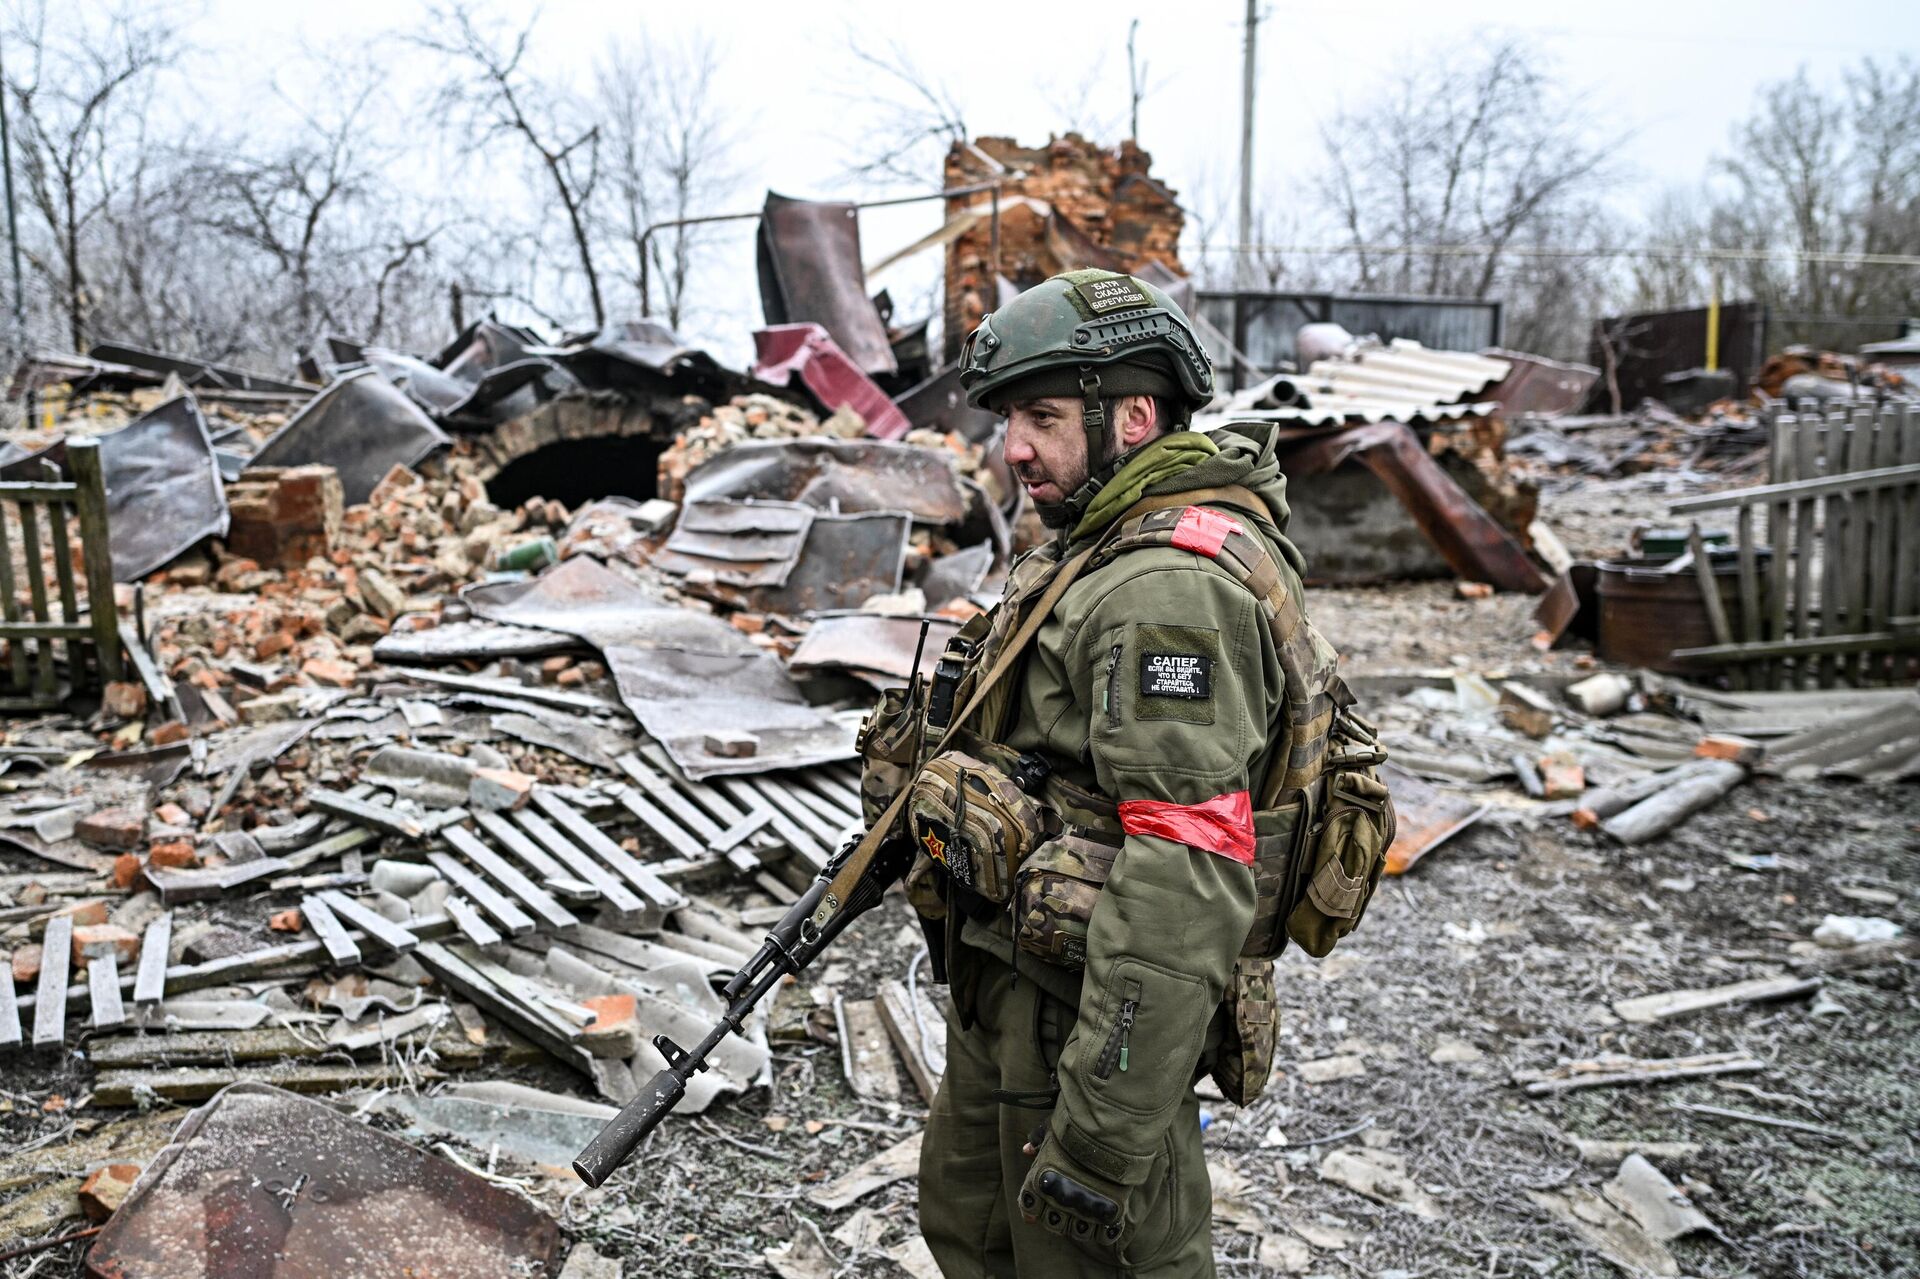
{"points": [[1401, 381], [1264, 325]]}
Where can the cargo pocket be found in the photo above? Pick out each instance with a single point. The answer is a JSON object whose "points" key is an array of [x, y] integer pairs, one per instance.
{"points": [[1347, 850], [1054, 897], [1245, 1061], [1147, 1032]]}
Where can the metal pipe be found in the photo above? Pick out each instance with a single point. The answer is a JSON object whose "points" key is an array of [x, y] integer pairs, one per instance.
{"points": [[646, 236]]}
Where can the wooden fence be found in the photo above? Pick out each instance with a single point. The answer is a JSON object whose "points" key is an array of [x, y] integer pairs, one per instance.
{"points": [[1833, 596], [36, 545]]}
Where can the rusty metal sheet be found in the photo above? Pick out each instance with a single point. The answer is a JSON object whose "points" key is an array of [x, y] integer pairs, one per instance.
{"points": [[736, 543], [1471, 541], [163, 488], [1426, 817], [952, 576], [810, 272], [261, 1183], [639, 356], [939, 404], [683, 674], [847, 560], [785, 351], [851, 476], [1538, 386], [195, 372], [872, 647], [362, 426]]}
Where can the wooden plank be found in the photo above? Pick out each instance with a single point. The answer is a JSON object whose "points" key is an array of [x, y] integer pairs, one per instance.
{"points": [[159, 687], [340, 947], [514, 840], [1780, 431], [530, 894], [661, 792], [1906, 556], [50, 998], [511, 688], [1804, 508], [1833, 538], [1857, 567], [463, 970], [579, 862], [150, 984], [90, 499], [9, 1013], [1651, 1008], [375, 816], [44, 681], [676, 836], [1608, 1072], [1749, 593], [468, 921], [649, 885], [10, 606], [803, 844], [866, 1059], [515, 921], [1710, 598], [731, 837], [705, 794], [837, 818], [1886, 534], [1842, 481], [376, 926], [103, 987], [63, 578]]}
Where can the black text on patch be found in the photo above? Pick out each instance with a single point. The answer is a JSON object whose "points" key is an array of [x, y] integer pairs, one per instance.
{"points": [[1175, 675]]}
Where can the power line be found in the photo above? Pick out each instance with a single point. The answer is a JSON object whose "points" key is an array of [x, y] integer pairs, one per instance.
{"points": [[1530, 251]]}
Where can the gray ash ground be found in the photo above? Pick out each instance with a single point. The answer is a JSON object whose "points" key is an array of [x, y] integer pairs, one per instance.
{"points": [[1514, 938]]}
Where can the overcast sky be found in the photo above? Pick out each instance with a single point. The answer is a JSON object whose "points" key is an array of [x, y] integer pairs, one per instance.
{"points": [[1675, 76]]}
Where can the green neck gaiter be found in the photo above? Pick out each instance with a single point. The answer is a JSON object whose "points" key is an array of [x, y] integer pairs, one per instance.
{"points": [[1161, 460]]}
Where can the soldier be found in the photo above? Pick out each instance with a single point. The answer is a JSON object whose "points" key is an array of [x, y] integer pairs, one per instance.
{"points": [[1088, 979]]}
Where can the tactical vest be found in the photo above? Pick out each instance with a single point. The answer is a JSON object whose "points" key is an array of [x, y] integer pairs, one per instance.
{"points": [[1322, 819]]}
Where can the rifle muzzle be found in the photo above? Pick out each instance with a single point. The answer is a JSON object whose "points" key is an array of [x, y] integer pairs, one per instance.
{"points": [[626, 1130]]}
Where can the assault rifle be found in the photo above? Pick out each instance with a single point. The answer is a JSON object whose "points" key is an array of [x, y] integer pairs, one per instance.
{"points": [[851, 885]]}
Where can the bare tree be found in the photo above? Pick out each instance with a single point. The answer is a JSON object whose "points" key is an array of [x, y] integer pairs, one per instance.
{"points": [[67, 98], [668, 147], [913, 118], [501, 98], [1476, 152], [1816, 174]]}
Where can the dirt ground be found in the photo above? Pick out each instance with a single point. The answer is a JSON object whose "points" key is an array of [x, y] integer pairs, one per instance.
{"points": [[1501, 951]]}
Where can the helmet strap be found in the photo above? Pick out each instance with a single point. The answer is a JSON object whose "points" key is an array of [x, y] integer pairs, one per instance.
{"points": [[1093, 419]]}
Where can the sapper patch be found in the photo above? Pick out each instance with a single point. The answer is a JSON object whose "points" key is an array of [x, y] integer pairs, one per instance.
{"points": [[1176, 675]]}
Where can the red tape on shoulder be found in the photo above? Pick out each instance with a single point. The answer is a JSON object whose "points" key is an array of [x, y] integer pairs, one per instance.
{"points": [[1223, 825], [1204, 531]]}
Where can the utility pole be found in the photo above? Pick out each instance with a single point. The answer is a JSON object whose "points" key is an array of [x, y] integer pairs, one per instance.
{"points": [[19, 341], [1243, 258]]}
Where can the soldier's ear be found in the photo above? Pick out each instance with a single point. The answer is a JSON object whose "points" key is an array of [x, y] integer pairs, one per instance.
{"points": [[1139, 420]]}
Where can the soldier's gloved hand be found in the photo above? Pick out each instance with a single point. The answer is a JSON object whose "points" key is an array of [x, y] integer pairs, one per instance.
{"points": [[1072, 1202]]}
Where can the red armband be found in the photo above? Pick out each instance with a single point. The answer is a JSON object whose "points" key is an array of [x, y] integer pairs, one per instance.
{"points": [[1204, 531], [1223, 825]]}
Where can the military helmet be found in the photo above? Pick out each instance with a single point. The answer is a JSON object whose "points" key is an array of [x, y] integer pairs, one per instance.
{"points": [[1082, 331]]}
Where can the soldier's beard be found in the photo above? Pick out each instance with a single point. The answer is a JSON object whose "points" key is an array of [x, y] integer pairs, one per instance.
{"points": [[1055, 515]]}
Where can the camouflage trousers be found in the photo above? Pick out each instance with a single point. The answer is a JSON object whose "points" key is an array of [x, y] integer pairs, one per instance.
{"points": [[972, 1165]]}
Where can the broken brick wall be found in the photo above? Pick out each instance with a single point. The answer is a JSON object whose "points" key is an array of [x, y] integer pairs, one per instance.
{"points": [[1079, 205]]}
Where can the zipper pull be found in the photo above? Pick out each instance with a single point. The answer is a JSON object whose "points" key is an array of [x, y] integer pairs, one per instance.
{"points": [[1106, 690], [1126, 1030]]}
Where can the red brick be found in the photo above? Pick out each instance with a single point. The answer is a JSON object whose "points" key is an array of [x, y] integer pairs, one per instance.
{"points": [[286, 921], [95, 940], [113, 828], [273, 645], [106, 1189], [335, 674], [26, 964], [173, 815], [125, 700], [84, 914], [168, 733], [126, 870], [175, 855]]}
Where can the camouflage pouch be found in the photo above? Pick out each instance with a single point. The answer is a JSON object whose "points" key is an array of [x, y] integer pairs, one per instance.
{"points": [[972, 817], [888, 738], [1343, 858], [1245, 1060], [1053, 902]]}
